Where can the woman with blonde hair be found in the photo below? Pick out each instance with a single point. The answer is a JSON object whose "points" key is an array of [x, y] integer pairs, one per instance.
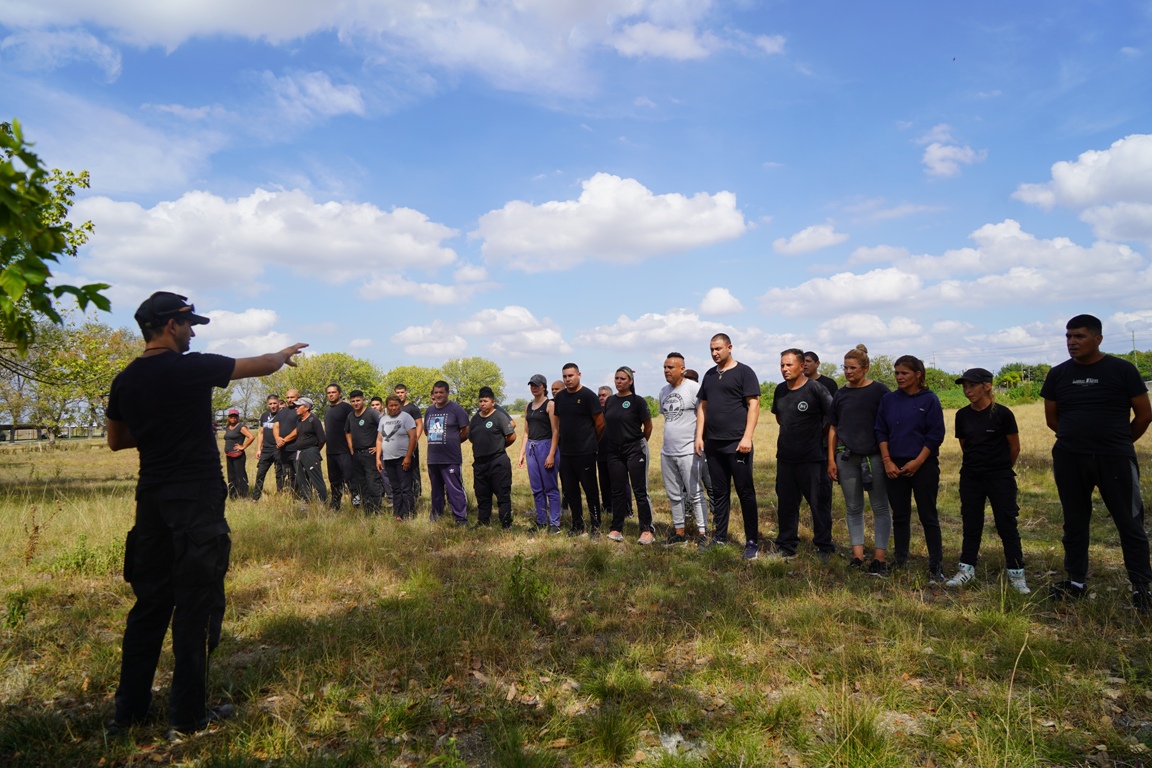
{"points": [[854, 458]]}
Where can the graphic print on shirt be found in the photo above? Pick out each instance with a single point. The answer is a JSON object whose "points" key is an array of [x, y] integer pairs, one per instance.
{"points": [[436, 428], [389, 435], [672, 407]]}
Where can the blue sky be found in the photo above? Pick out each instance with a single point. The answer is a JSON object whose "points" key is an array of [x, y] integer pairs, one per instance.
{"points": [[549, 180]]}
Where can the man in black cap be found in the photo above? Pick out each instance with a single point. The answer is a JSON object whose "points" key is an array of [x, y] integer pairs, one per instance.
{"points": [[491, 432], [177, 553]]}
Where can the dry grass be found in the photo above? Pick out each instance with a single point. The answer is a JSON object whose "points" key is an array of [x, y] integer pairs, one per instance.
{"points": [[353, 641]]}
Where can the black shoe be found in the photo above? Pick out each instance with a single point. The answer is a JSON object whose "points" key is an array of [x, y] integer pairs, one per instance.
{"points": [[1066, 590], [215, 715], [899, 561], [114, 728], [878, 569], [594, 533], [719, 541], [573, 532], [825, 556], [856, 563], [1142, 599], [751, 551], [674, 539], [461, 523], [935, 575], [553, 529]]}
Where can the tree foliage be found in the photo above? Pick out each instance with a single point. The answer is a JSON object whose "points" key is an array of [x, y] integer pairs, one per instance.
{"points": [[313, 374], [419, 380], [34, 233], [467, 374]]}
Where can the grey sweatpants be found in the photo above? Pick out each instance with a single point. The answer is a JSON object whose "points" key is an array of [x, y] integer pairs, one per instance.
{"points": [[682, 486]]}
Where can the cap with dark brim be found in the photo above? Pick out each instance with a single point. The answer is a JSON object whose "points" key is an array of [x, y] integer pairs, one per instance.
{"points": [[163, 306], [976, 376]]}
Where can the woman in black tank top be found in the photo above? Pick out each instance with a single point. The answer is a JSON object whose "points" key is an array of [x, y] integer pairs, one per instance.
{"points": [[539, 451]]}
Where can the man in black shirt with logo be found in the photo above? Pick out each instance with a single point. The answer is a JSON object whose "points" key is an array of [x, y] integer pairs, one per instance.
{"points": [[491, 432], [361, 429], [340, 471], [1098, 407], [177, 553], [266, 451], [726, 414], [310, 438], [284, 431], [581, 421]]}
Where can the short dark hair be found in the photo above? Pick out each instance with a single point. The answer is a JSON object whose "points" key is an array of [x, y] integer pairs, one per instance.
{"points": [[692, 375], [571, 365], [389, 399], [400, 386], [334, 384], [674, 354], [355, 393], [376, 399], [1091, 322], [722, 337], [441, 385], [815, 357], [272, 397], [486, 392], [793, 351]]}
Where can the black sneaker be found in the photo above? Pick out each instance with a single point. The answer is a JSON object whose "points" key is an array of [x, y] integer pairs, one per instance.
{"points": [[825, 556], [878, 569], [751, 551], [935, 575], [1142, 599], [674, 539], [574, 532], [856, 563], [1066, 590], [594, 533], [553, 529], [214, 715]]}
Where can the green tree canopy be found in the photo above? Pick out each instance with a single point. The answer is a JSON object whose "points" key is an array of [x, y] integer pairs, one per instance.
{"points": [[34, 233], [467, 374], [419, 380], [313, 374]]}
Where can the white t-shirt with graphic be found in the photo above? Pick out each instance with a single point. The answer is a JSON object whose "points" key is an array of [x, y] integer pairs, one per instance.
{"points": [[679, 409], [394, 431]]}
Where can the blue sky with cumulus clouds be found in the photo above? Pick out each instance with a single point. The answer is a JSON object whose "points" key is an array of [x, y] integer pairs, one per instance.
{"points": [[549, 180]]}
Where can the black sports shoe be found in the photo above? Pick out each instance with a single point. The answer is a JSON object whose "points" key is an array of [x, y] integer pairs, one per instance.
{"points": [[1066, 590], [856, 564], [751, 551], [675, 538], [553, 529], [214, 714], [573, 532], [935, 575], [594, 533], [824, 555], [1142, 599], [878, 569]]}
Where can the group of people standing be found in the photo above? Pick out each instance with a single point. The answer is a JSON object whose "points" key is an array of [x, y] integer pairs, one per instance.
{"points": [[868, 439]]}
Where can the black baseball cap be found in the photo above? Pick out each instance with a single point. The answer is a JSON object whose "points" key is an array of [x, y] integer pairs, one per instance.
{"points": [[163, 306], [976, 376]]}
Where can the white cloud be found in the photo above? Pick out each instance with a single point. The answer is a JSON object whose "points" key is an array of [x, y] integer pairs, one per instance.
{"points": [[244, 237], [877, 253], [720, 301], [243, 334], [646, 39], [206, 112], [1007, 266], [614, 219], [535, 45], [1111, 188], [809, 239], [430, 341], [43, 50], [470, 273], [360, 343], [303, 97], [515, 332], [395, 285], [944, 155], [848, 329]]}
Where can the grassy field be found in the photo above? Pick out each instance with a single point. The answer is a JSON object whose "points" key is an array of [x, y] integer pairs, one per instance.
{"points": [[352, 641]]}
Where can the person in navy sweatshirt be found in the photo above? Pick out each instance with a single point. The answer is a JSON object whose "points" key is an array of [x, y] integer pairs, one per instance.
{"points": [[910, 429]]}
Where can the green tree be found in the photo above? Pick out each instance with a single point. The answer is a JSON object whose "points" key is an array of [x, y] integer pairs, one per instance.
{"points": [[314, 373], [938, 380], [883, 371], [35, 233], [419, 380], [467, 374]]}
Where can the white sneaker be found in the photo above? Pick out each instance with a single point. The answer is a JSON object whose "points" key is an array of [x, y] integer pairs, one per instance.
{"points": [[1016, 577], [963, 576]]}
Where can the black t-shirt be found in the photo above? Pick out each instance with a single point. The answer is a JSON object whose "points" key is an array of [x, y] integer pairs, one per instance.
{"points": [[576, 410], [624, 419], [363, 428], [287, 419], [829, 384], [726, 414], [1094, 405], [853, 413], [487, 433], [166, 402], [413, 410], [539, 422], [309, 433], [802, 413], [335, 420], [985, 438], [268, 440]]}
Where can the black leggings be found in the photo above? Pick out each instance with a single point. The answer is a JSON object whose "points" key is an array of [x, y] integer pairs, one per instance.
{"points": [[627, 464], [579, 471], [924, 486]]}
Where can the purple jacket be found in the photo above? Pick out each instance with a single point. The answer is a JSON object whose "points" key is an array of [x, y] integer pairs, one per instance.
{"points": [[909, 423]]}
